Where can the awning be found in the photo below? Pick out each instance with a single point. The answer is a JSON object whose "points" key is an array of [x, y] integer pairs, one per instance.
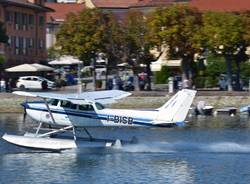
{"points": [[30, 68], [66, 60]]}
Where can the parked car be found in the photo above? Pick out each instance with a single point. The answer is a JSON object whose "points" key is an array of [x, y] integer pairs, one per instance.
{"points": [[34, 82]]}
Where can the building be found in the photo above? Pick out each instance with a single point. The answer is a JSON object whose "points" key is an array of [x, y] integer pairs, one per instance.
{"points": [[221, 5], [25, 25], [120, 9], [54, 19]]}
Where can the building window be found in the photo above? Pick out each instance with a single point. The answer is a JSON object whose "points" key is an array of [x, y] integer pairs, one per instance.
{"points": [[31, 43], [41, 44], [24, 46], [41, 20], [8, 16], [31, 20], [24, 21], [16, 45], [13, 41], [17, 42], [20, 19], [20, 45], [9, 41]]}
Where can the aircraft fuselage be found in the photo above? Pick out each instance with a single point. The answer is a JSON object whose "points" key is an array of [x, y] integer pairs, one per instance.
{"points": [[90, 118]]}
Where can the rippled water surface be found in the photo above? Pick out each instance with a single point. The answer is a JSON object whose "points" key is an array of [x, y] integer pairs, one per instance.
{"points": [[208, 150]]}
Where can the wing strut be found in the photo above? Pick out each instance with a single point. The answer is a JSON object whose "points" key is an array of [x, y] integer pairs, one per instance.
{"points": [[56, 131], [87, 132], [38, 128], [52, 117]]}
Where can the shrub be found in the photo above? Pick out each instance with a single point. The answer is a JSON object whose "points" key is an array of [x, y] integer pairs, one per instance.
{"points": [[199, 82], [162, 76], [245, 72]]}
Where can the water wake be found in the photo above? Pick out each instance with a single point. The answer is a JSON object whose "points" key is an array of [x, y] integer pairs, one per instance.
{"points": [[172, 147]]}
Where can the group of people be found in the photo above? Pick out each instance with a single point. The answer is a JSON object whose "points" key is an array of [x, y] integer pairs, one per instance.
{"points": [[126, 82]]}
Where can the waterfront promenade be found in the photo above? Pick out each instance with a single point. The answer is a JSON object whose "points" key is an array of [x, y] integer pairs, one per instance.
{"points": [[143, 99]]}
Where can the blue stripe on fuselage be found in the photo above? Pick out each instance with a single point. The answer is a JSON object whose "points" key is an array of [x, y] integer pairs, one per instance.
{"points": [[138, 121]]}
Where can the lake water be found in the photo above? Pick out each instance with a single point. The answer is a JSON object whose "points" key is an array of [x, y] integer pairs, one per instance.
{"points": [[206, 151]]}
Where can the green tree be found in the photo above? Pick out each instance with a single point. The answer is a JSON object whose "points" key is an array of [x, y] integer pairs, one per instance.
{"points": [[81, 35], [223, 34], [178, 27], [245, 16], [114, 42], [137, 43], [53, 53], [88, 33]]}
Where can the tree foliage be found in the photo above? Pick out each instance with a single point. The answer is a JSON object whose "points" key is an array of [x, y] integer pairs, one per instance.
{"points": [[224, 34], [89, 32], [184, 30], [82, 34], [178, 27], [245, 17], [138, 44]]}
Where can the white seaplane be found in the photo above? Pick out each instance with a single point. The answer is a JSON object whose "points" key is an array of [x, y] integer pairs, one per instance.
{"points": [[75, 113]]}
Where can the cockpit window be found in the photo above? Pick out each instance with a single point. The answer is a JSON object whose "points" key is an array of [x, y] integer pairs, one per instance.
{"points": [[73, 106], [86, 107], [53, 102], [65, 103], [99, 106]]}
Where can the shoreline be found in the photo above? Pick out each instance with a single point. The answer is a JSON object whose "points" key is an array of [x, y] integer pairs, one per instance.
{"points": [[10, 103]]}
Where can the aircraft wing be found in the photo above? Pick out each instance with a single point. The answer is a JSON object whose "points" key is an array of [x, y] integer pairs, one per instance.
{"points": [[104, 97]]}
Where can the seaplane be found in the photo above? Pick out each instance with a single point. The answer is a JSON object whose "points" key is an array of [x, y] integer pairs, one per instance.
{"points": [[75, 113]]}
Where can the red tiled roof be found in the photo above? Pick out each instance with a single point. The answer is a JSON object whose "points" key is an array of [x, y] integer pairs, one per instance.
{"points": [[221, 5], [62, 9], [113, 3], [150, 3]]}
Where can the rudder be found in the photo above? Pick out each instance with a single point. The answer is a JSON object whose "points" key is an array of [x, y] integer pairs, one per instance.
{"points": [[176, 109]]}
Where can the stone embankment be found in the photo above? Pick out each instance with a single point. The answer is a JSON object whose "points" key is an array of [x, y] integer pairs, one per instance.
{"points": [[217, 99], [144, 100]]}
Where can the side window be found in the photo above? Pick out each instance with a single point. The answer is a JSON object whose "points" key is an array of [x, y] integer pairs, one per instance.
{"points": [[73, 106], [99, 106], [65, 104], [27, 78], [86, 107], [54, 102]]}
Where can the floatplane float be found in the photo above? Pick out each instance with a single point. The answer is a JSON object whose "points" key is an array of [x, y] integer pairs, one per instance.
{"points": [[75, 113]]}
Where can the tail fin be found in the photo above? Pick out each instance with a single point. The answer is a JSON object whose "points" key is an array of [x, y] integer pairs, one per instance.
{"points": [[176, 109]]}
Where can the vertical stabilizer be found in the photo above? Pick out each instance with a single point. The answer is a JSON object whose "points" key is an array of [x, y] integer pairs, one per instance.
{"points": [[176, 109]]}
